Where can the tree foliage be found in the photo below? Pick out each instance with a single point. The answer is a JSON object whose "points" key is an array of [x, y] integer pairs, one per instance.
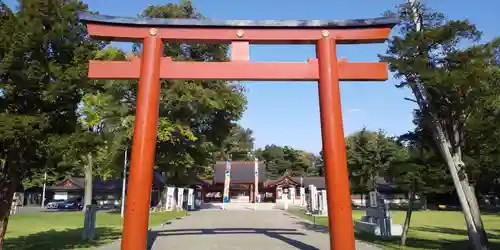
{"points": [[421, 168], [44, 51], [280, 160], [369, 156], [453, 78], [196, 116], [318, 168], [238, 146]]}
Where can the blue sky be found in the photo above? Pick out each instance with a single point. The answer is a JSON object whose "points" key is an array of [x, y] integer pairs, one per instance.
{"points": [[288, 113]]}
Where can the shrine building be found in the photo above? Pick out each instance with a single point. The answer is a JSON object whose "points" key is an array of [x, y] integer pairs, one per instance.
{"points": [[241, 189], [272, 190], [243, 181]]}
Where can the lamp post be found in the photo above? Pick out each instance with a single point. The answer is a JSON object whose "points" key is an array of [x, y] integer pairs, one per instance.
{"points": [[43, 189], [125, 123], [256, 185], [124, 183]]}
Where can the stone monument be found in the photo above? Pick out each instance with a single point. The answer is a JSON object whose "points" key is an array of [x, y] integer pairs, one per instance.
{"points": [[378, 220], [279, 193], [323, 204], [313, 200], [285, 198], [320, 202], [292, 194], [302, 196]]}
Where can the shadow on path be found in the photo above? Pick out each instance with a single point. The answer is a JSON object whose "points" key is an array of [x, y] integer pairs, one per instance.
{"points": [[312, 227], [278, 234], [307, 225], [58, 240]]}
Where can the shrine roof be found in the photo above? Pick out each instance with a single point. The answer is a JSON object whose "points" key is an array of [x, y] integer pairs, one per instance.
{"points": [[241, 171], [78, 183], [291, 24]]}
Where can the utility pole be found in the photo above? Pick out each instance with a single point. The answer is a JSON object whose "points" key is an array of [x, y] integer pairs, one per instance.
{"points": [[124, 184], [43, 189], [256, 184]]}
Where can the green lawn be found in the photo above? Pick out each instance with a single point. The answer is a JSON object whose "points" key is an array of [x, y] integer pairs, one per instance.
{"points": [[63, 230], [428, 230]]}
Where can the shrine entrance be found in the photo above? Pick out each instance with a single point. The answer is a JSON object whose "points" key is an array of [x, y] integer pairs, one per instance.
{"points": [[152, 66], [240, 193]]}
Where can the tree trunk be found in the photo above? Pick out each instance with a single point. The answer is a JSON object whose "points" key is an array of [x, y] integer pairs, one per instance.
{"points": [[445, 148], [7, 189], [88, 183], [163, 198], [423, 200], [468, 190], [406, 225], [476, 213], [162, 201]]}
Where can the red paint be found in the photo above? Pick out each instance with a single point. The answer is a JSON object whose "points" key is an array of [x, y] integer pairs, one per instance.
{"points": [[336, 175], [135, 227], [68, 184], [240, 51], [239, 70], [152, 66], [228, 35]]}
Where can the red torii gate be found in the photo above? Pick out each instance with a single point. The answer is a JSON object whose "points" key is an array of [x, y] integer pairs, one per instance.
{"points": [[152, 67]]}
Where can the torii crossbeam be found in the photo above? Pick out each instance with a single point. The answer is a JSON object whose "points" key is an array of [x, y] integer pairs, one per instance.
{"points": [[152, 66]]}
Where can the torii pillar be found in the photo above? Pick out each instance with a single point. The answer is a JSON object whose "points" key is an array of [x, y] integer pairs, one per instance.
{"points": [[152, 67]]}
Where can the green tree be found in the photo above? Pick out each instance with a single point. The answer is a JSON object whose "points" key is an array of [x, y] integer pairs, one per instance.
{"points": [[43, 56], [450, 84], [279, 160], [370, 155], [419, 173], [300, 161], [196, 117], [481, 152], [273, 157], [237, 146], [102, 116], [319, 165]]}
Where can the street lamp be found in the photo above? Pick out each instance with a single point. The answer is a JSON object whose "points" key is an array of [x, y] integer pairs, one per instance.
{"points": [[125, 122]]}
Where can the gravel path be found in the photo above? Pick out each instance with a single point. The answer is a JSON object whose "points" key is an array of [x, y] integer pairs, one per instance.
{"points": [[239, 230]]}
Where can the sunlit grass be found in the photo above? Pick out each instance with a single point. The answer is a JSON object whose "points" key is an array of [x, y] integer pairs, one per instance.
{"points": [[63, 230], [428, 229]]}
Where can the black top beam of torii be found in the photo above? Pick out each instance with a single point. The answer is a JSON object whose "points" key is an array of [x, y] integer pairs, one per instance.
{"points": [[389, 21]]}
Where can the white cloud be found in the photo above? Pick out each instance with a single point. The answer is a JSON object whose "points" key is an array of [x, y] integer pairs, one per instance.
{"points": [[353, 110]]}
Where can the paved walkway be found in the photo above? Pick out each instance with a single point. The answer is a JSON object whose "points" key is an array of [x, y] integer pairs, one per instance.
{"points": [[239, 230]]}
